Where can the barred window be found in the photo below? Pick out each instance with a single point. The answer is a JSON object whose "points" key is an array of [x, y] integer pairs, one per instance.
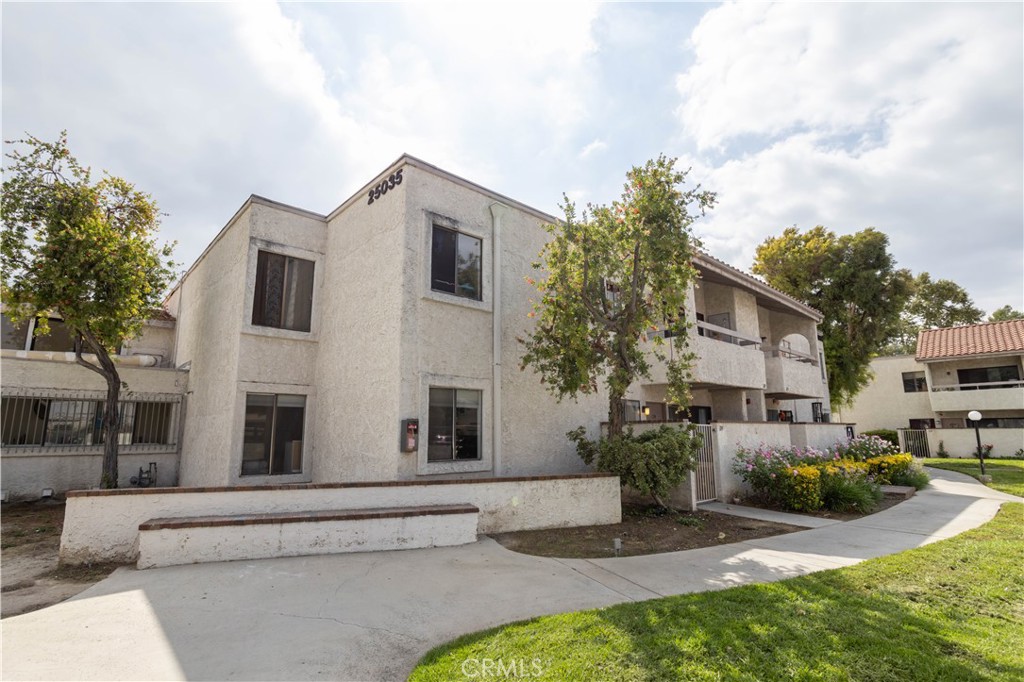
{"points": [[61, 422]]}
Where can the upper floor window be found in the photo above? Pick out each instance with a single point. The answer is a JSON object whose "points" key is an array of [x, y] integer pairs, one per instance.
{"points": [[914, 382], [284, 292], [455, 263], [23, 336]]}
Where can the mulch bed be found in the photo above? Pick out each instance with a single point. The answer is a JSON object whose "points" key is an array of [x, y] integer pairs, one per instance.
{"points": [[644, 530]]}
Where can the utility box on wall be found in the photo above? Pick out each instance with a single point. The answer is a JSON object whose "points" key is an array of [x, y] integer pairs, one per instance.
{"points": [[410, 435]]}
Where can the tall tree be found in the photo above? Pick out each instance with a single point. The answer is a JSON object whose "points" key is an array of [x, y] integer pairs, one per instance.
{"points": [[86, 251], [1005, 313], [932, 304], [611, 275], [853, 280]]}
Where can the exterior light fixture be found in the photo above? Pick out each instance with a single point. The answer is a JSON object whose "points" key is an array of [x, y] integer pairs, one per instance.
{"points": [[975, 417]]}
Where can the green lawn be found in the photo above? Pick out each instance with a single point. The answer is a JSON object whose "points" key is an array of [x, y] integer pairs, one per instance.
{"points": [[953, 610], [1007, 474]]}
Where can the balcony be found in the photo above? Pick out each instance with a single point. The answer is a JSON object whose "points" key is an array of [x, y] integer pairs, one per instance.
{"points": [[725, 357], [790, 374], [1001, 395]]}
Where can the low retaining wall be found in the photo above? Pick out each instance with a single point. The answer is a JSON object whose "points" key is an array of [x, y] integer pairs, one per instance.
{"points": [[170, 542], [963, 442], [103, 525]]}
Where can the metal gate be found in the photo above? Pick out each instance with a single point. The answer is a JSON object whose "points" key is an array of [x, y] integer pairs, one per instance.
{"points": [[704, 474], [914, 441]]}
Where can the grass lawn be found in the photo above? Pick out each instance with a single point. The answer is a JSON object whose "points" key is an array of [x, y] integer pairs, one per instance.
{"points": [[953, 610], [1007, 474]]}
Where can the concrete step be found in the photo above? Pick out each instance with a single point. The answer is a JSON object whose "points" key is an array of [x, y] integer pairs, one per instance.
{"points": [[200, 539], [904, 492]]}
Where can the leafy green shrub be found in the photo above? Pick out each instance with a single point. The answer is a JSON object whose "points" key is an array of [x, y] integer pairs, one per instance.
{"points": [[888, 435], [844, 494], [652, 463], [915, 476]]}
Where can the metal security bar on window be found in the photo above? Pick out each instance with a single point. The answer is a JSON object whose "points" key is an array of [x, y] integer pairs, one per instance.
{"points": [[60, 422]]}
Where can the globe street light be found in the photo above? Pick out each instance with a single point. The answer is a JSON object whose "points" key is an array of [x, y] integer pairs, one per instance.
{"points": [[975, 417]]}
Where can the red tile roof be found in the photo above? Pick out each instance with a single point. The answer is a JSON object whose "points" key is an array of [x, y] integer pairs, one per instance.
{"points": [[975, 339]]}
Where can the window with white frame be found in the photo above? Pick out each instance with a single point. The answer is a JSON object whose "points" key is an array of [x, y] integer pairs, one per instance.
{"points": [[456, 265], [284, 292], [272, 441], [455, 424]]}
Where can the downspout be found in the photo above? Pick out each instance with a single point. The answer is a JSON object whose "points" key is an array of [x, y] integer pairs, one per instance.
{"points": [[497, 212]]}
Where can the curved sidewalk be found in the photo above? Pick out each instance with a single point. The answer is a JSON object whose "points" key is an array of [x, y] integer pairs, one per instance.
{"points": [[372, 616]]}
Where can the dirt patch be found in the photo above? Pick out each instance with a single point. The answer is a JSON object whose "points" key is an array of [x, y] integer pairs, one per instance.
{"points": [[644, 530], [29, 544]]}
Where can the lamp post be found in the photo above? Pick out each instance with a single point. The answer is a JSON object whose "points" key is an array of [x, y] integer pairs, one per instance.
{"points": [[975, 417]]}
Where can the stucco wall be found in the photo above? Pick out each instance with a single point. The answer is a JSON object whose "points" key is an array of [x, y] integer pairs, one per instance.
{"points": [[156, 339], [67, 376], [883, 404], [210, 311], [963, 442], [104, 527], [448, 341], [358, 362], [24, 474]]}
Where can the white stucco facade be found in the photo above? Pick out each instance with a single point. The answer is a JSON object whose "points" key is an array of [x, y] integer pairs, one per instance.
{"points": [[934, 396], [380, 337]]}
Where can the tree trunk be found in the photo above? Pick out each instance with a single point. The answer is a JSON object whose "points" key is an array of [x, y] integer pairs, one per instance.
{"points": [[111, 427], [111, 414], [616, 415]]}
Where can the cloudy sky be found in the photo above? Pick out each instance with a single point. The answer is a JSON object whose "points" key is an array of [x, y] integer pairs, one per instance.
{"points": [[904, 117]]}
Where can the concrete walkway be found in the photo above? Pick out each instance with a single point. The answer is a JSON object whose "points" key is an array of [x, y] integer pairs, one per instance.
{"points": [[372, 616]]}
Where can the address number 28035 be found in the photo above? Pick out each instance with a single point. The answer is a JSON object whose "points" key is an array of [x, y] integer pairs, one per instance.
{"points": [[392, 181]]}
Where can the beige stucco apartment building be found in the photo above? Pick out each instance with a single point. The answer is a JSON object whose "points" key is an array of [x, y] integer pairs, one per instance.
{"points": [[379, 343], [954, 371]]}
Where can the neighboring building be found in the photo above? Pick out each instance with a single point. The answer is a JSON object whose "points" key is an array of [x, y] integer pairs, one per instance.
{"points": [[955, 370], [379, 343]]}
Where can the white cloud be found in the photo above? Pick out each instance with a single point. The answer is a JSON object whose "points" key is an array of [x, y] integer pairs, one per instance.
{"points": [[906, 118], [595, 147]]}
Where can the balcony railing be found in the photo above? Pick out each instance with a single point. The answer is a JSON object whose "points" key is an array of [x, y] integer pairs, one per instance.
{"points": [[789, 354], [979, 386], [715, 333]]}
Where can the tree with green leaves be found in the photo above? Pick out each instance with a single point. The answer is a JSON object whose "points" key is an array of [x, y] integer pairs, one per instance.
{"points": [[933, 304], [86, 251], [610, 276], [855, 284], [1005, 313]]}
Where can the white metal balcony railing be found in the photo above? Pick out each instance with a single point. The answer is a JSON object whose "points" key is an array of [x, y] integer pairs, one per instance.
{"points": [[789, 354], [65, 421], [979, 386], [715, 333]]}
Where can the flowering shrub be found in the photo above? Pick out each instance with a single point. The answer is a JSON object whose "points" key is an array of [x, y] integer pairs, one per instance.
{"points": [[800, 488], [864, 447], [843, 478], [888, 468]]}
